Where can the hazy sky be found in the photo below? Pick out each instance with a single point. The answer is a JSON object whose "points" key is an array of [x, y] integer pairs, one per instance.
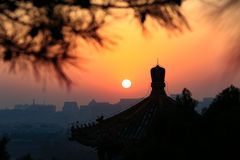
{"points": [[194, 59]]}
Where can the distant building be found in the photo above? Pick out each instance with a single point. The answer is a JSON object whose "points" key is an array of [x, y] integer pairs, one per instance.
{"points": [[70, 107], [36, 107], [71, 112], [95, 109], [29, 113], [85, 113], [99, 108], [128, 101]]}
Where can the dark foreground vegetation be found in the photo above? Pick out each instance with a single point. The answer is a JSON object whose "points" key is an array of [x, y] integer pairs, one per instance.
{"points": [[160, 128]]}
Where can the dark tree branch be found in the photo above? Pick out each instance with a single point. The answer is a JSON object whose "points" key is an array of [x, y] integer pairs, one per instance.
{"points": [[42, 32]]}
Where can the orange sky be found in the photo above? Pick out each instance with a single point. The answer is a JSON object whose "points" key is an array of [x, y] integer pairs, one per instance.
{"points": [[193, 59]]}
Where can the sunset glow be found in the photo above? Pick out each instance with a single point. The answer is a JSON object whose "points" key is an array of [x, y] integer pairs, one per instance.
{"points": [[192, 59]]}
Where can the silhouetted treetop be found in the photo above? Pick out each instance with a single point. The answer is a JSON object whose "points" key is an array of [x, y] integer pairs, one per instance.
{"points": [[45, 32], [227, 99], [185, 100], [222, 121]]}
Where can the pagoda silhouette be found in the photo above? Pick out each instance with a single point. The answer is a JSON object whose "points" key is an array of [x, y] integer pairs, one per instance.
{"points": [[154, 128]]}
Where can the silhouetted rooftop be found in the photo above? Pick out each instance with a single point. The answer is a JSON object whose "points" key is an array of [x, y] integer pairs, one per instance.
{"points": [[132, 125]]}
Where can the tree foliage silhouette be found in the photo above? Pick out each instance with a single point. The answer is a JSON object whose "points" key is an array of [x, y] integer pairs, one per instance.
{"points": [[185, 100], [44, 32], [223, 124], [227, 99]]}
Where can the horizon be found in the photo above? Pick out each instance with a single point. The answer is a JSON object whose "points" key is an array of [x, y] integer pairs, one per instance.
{"points": [[59, 108]]}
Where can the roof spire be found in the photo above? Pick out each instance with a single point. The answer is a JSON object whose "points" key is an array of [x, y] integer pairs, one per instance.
{"points": [[158, 80], [157, 62]]}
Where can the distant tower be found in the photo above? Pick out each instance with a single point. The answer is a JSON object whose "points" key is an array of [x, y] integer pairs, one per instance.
{"points": [[158, 80]]}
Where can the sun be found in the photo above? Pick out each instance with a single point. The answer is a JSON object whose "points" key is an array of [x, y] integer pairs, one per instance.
{"points": [[126, 83]]}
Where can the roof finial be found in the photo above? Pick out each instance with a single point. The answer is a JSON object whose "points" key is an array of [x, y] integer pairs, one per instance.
{"points": [[157, 61]]}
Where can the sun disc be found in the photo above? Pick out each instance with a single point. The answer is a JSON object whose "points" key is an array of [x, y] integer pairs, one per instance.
{"points": [[126, 83]]}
